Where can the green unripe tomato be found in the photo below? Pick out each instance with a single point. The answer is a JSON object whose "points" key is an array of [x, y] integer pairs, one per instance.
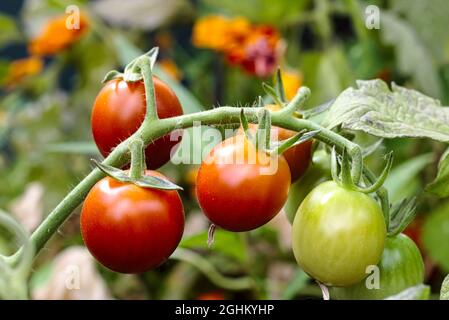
{"points": [[337, 234], [400, 267]]}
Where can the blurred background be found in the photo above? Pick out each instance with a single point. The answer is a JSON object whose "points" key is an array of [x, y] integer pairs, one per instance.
{"points": [[212, 52]]}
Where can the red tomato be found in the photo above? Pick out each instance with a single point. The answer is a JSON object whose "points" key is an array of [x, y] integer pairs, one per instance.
{"points": [[237, 188], [130, 229], [298, 157], [119, 110]]}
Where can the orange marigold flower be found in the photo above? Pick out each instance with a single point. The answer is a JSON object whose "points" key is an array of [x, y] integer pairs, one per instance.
{"points": [[170, 68], [22, 68], [260, 52], [220, 33], [292, 80], [257, 48], [238, 30], [209, 32], [57, 35]]}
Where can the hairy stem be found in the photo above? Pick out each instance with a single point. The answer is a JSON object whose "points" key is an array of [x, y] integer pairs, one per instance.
{"points": [[145, 65], [137, 158]]}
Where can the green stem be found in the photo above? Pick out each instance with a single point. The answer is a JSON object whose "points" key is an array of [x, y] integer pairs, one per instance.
{"points": [[202, 264], [136, 148], [381, 193], [145, 65]]}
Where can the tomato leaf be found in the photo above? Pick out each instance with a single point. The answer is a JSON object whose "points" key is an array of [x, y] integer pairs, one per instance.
{"points": [[227, 243], [419, 292], [144, 181], [435, 234], [444, 293], [440, 186], [375, 109]]}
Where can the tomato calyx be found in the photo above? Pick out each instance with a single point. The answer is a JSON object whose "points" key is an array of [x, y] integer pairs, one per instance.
{"points": [[136, 174], [343, 173], [111, 75], [262, 140], [143, 181], [132, 72], [401, 214]]}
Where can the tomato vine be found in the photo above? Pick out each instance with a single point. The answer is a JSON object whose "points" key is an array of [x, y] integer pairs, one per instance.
{"points": [[153, 128]]}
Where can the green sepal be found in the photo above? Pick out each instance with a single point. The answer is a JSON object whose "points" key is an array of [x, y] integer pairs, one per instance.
{"points": [[279, 87], [113, 74], [272, 93], [143, 181], [245, 125], [369, 150], [301, 137], [263, 135], [132, 70], [401, 215], [309, 113]]}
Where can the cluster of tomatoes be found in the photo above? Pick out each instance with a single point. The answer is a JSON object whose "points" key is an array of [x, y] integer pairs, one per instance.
{"points": [[337, 232]]}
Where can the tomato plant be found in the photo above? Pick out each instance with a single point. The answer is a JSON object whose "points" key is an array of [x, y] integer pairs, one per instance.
{"points": [[237, 188], [337, 233], [130, 229], [119, 110], [400, 267], [133, 222]]}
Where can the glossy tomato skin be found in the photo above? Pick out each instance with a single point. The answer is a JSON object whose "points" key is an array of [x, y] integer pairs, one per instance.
{"points": [[400, 267], [119, 110], [337, 233], [237, 188], [130, 229], [298, 157]]}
